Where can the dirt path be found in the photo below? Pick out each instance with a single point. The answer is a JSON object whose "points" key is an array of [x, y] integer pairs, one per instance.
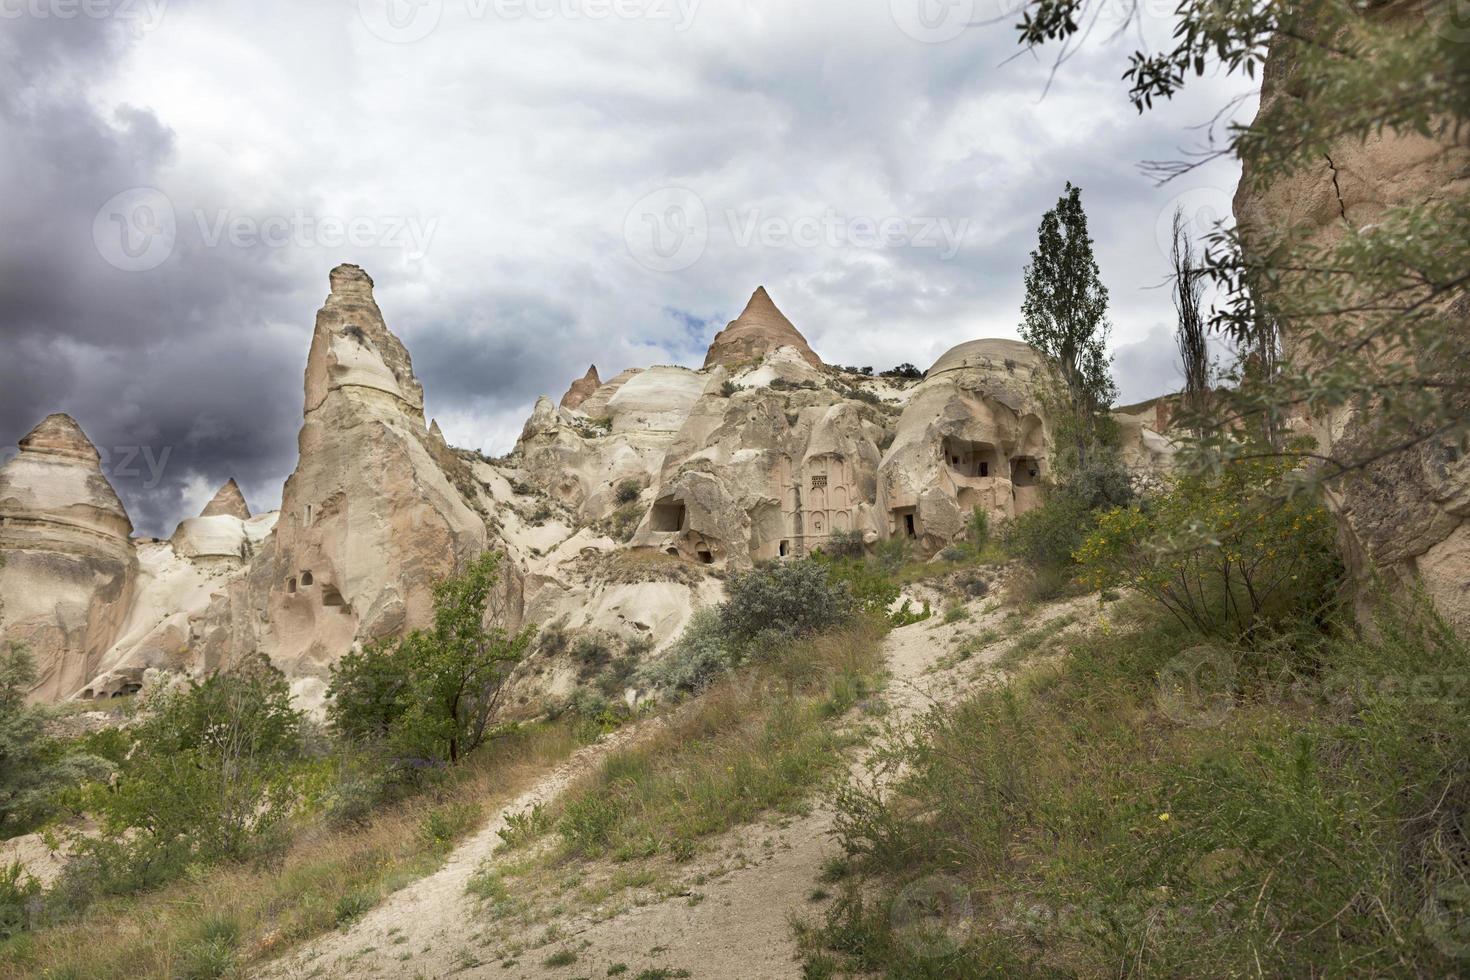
{"points": [[732, 919]]}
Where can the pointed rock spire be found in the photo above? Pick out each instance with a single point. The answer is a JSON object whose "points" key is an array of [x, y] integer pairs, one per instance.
{"points": [[353, 348], [59, 435], [229, 502], [581, 389], [758, 330]]}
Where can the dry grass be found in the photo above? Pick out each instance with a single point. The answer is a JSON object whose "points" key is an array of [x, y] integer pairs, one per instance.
{"points": [[216, 923]]}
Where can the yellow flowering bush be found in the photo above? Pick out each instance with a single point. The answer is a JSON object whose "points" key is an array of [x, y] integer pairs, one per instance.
{"points": [[1224, 553]]}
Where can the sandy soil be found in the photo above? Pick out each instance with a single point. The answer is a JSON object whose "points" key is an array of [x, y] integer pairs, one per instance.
{"points": [[734, 918]]}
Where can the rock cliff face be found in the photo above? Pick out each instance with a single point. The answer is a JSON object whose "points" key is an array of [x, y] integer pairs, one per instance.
{"points": [[974, 434], [70, 564], [759, 330], [1408, 515], [581, 388], [369, 519]]}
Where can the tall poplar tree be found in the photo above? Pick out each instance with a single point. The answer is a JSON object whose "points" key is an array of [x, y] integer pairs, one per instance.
{"points": [[1064, 315]]}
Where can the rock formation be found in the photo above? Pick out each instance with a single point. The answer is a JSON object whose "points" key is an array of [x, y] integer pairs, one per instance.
{"points": [[369, 520], [1409, 514], [756, 332], [974, 434], [69, 560], [581, 388], [229, 502]]}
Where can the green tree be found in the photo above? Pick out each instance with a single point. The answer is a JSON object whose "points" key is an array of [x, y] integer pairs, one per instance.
{"points": [[1192, 333], [435, 693], [1064, 316], [33, 767], [209, 772]]}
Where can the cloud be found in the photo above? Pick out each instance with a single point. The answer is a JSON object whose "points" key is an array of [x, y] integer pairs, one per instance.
{"points": [[486, 174]]}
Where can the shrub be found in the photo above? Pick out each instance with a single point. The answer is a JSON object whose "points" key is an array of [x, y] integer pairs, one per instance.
{"points": [[979, 528], [212, 775], [788, 599], [1047, 535], [845, 544], [435, 692], [699, 657], [19, 897], [33, 768], [904, 370], [1223, 554], [729, 388], [628, 491]]}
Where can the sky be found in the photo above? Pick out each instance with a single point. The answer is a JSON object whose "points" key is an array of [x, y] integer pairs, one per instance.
{"points": [[535, 186]]}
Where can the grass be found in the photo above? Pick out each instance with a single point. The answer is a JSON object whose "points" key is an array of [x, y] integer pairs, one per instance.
{"points": [[757, 741], [1296, 810], [222, 920]]}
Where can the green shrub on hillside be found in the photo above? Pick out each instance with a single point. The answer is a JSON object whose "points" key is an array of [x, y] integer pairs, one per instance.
{"points": [[434, 694], [784, 599], [698, 658], [1223, 554], [211, 775], [33, 768]]}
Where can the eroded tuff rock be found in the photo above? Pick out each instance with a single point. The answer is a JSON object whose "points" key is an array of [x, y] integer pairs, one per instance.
{"points": [[759, 330], [581, 388], [975, 433], [70, 565], [229, 502], [369, 520], [1407, 515]]}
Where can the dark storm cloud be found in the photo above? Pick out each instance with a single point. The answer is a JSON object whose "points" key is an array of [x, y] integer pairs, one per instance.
{"points": [[172, 372]]}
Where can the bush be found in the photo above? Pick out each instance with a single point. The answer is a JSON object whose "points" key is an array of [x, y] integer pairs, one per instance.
{"points": [[904, 370], [628, 491], [433, 694], [1049, 534], [212, 775], [19, 896], [788, 599], [33, 768], [699, 657], [845, 544], [1223, 554]]}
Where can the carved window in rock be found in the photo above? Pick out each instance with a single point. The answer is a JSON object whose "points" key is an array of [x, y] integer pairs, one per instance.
{"points": [[291, 585], [668, 515], [784, 549], [819, 480], [308, 513], [306, 579]]}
